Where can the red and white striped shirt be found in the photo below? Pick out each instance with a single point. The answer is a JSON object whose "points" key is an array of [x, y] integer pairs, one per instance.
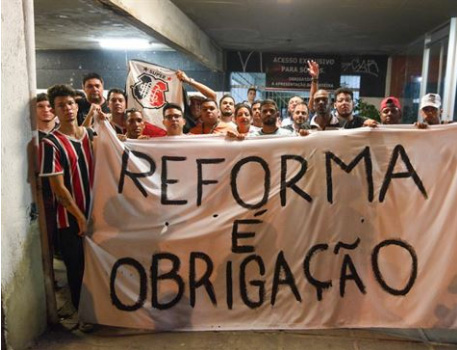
{"points": [[62, 154]]}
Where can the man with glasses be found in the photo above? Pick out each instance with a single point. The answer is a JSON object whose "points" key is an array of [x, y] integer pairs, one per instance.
{"points": [[390, 110], [173, 119]]}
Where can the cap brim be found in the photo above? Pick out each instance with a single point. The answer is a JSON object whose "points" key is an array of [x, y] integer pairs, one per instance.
{"points": [[430, 104]]}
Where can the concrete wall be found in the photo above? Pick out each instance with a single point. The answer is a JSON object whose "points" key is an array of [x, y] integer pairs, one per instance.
{"points": [[23, 300], [69, 66]]}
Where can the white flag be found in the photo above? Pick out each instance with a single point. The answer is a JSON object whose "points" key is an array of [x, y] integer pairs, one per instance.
{"points": [[150, 88]]}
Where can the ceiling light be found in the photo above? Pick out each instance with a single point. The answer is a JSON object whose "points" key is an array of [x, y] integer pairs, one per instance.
{"points": [[124, 44]]}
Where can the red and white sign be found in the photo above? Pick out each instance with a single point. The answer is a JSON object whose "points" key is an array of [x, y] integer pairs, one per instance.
{"points": [[150, 87]]}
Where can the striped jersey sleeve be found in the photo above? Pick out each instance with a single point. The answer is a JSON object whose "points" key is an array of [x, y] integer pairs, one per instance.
{"points": [[50, 158]]}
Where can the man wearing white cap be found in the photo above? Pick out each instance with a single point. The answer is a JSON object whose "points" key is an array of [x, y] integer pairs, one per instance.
{"points": [[430, 109]]}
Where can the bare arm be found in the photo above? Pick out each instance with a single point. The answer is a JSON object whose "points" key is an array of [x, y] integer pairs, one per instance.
{"points": [[89, 120], [64, 197], [205, 90], [313, 69]]}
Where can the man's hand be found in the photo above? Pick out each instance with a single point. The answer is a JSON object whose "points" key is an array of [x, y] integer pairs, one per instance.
{"points": [[182, 76], [144, 137], [233, 135], [313, 69], [121, 137], [420, 125], [371, 123], [82, 224], [303, 132], [94, 110], [102, 116]]}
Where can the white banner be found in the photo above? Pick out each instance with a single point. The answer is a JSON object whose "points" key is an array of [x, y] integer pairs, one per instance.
{"points": [[150, 87], [348, 228]]}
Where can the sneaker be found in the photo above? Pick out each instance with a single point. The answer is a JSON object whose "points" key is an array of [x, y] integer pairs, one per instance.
{"points": [[85, 327]]}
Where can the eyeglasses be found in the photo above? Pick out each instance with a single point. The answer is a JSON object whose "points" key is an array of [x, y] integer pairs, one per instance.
{"points": [[172, 116]]}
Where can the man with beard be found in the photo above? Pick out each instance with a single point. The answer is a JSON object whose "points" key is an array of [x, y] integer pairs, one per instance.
{"points": [[344, 105], [390, 110], [269, 113], [93, 88], [300, 118], [290, 110], [313, 70], [227, 107], [211, 123], [323, 119]]}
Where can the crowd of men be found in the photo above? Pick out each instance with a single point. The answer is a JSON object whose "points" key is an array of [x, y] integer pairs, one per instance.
{"points": [[64, 120]]}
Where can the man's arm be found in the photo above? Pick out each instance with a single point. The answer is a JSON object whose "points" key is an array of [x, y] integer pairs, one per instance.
{"points": [[93, 111], [313, 69], [64, 197], [205, 90]]}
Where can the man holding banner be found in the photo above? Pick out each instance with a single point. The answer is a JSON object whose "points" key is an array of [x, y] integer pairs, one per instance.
{"points": [[67, 160]]}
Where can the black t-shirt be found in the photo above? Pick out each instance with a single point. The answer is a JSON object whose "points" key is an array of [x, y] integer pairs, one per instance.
{"points": [[355, 122]]}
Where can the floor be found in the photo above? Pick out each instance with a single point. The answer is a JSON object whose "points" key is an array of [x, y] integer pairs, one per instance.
{"points": [[66, 336]]}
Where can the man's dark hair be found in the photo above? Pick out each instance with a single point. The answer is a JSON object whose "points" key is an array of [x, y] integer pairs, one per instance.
{"points": [[243, 105], [256, 101], [171, 106], [226, 96], [80, 93], [344, 90], [206, 100], [252, 88], [42, 97], [60, 91], [130, 111], [116, 91], [269, 102], [92, 75]]}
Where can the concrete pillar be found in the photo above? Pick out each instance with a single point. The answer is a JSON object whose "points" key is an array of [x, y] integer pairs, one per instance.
{"points": [[23, 297]]}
